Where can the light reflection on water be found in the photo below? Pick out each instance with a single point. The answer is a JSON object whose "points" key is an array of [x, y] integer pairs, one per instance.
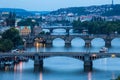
{"points": [[89, 75], [64, 68], [41, 76]]}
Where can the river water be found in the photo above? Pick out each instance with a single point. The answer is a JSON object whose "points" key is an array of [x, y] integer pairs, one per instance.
{"points": [[65, 68]]}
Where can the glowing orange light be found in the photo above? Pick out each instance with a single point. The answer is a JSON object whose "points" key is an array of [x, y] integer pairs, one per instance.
{"points": [[94, 55], [113, 55]]}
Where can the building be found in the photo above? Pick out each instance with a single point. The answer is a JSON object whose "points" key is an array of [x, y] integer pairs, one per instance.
{"points": [[85, 18], [24, 30], [37, 30]]}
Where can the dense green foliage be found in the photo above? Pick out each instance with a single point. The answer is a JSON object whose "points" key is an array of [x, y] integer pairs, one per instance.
{"points": [[6, 45], [13, 35], [27, 22], [10, 39], [97, 27]]}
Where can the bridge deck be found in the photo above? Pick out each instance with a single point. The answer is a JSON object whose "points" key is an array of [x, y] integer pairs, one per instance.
{"points": [[59, 54]]}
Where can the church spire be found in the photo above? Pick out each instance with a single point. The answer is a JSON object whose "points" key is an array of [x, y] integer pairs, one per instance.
{"points": [[112, 2]]}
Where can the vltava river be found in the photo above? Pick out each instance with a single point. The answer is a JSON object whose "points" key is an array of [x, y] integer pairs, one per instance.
{"points": [[65, 68]]}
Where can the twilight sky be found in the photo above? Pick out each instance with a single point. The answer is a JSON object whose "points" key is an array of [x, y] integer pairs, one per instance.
{"points": [[49, 5]]}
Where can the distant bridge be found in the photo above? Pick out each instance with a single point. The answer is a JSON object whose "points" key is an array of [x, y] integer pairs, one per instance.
{"points": [[51, 28], [38, 57]]}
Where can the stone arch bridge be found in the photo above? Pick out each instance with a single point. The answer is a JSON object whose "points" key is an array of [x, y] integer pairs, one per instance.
{"points": [[87, 38], [38, 57]]}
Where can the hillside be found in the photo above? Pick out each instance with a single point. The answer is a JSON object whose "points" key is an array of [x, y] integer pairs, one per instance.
{"points": [[105, 10], [19, 12], [22, 12]]}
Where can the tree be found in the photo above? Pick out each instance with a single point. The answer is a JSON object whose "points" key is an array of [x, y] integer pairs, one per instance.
{"points": [[98, 27], [6, 45], [77, 26], [27, 22], [13, 35]]}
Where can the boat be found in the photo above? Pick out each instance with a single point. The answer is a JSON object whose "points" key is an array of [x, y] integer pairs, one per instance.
{"points": [[103, 50]]}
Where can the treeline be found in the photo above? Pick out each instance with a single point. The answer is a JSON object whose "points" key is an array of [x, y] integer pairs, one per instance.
{"points": [[28, 22], [97, 27]]}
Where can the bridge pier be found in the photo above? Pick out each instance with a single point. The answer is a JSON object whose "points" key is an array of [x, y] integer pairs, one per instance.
{"points": [[51, 30], [87, 44], [108, 43], [67, 44], [88, 65], [38, 64], [67, 31], [2, 66], [48, 44]]}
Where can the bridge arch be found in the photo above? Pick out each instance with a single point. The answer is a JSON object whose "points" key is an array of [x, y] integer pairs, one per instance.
{"points": [[58, 42], [77, 42], [51, 30], [98, 42], [115, 42], [59, 30], [58, 62], [107, 63], [71, 30], [70, 57]]}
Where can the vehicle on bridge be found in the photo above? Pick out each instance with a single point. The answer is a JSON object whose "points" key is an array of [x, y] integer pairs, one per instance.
{"points": [[17, 51]]}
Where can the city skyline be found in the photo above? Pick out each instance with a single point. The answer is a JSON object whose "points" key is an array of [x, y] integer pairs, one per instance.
{"points": [[45, 5]]}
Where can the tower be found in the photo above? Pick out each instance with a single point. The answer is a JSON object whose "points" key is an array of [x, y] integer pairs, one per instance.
{"points": [[112, 2]]}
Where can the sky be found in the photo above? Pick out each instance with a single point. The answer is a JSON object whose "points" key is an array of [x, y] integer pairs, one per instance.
{"points": [[50, 5]]}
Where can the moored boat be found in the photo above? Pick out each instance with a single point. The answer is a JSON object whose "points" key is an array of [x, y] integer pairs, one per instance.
{"points": [[103, 50]]}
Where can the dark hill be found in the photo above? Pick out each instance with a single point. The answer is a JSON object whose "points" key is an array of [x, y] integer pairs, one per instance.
{"points": [[105, 10]]}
